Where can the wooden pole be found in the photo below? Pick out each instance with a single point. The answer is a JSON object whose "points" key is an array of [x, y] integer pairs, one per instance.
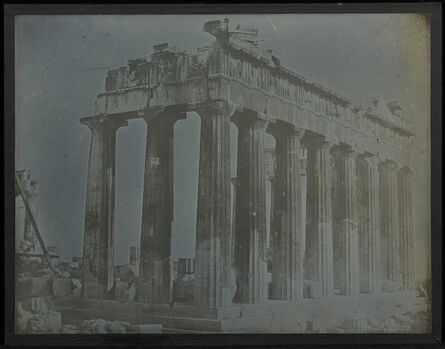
{"points": [[33, 223]]}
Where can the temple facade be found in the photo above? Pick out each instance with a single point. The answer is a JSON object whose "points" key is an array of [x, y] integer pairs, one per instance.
{"points": [[341, 178]]}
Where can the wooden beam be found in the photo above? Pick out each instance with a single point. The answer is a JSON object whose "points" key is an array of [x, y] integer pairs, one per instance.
{"points": [[33, 223]]}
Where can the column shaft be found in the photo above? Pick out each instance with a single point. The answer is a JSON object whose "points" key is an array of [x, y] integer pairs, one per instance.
{"points": [[287, 230], [157, 212], [373, 227], [369, 232], [389, 223], [232, 223], [98, 245], [213, 255], [406, 229], [250, 224], [347, 230], [319, 249]]}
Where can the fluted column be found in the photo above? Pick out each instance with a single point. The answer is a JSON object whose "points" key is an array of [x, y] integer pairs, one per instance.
{"points": [[98, 243], [406, 228], [250, 224], [369, 243], [303, 193], [319, 249], [389, 222], [287, 229], [233, 212], [346, 239], [213, 255], [271, 217], [157, 210]]}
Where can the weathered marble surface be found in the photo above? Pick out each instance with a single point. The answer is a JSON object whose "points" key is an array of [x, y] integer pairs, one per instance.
{"points": [[349, 233]]}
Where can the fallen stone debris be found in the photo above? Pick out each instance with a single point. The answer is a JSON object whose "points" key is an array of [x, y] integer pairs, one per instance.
{"points": [[61, 287], [125, 272], [183, 288], [125, 291], [28, 322], [104, 326], [39, 288]]}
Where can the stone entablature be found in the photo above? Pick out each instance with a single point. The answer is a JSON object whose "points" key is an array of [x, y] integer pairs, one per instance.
{"points": [[242, 74]]}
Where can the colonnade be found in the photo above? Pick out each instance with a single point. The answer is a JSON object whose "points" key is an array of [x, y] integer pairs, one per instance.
{"points": [[358, 228]]}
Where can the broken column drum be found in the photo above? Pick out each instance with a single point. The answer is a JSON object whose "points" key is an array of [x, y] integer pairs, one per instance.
{"points": [[358, 200]]}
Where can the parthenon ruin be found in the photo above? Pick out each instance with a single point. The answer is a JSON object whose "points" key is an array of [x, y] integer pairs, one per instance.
{"points": [[350, 233]]}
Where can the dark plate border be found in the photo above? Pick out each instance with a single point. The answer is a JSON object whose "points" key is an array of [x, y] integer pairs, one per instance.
{"points": [[434, 9]]}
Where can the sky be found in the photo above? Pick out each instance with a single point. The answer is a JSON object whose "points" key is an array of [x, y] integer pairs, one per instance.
{"points": [[61, 63]]}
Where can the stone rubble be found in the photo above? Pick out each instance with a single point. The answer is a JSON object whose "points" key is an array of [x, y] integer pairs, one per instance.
{"points": [[104, 326], [125, 273], [183, 288], [125, 291], [69, 329], [29, 322], [61, 287], [29, 287]]}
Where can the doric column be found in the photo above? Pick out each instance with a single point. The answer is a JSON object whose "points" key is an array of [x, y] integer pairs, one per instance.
{"points": [[233, 214], [287, 229], [369, 234], [213, 256], [389, 223], [319, 249], [271, 219], [406, 228], [303, 192], [346, 232], [98, 243], [250, 224], [157, 210]]}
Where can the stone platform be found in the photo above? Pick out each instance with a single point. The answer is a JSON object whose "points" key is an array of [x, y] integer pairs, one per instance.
{"points": [[383, 313]]}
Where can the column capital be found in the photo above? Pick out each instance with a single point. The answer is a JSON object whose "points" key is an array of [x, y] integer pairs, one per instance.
{"points": [[326, 145], [389, 165], [406, 171], [351, 154], [283, 129], [248, 121], [345, 151], [372, 161], [318, 142], [221, 108], [297, 132], [261, 124], [103, 122], [393, 166], [244, 117]]}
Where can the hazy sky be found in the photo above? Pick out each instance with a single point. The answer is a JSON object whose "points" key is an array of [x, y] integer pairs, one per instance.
{"points": [[61, 63]]}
